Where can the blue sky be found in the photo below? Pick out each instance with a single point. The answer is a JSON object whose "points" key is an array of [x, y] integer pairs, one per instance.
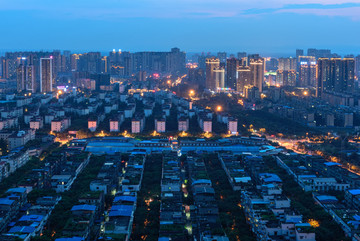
{"points": [[265, 26]]}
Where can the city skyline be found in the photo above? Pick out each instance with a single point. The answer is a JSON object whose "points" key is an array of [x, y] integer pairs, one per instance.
{"points": [[268, 27]]}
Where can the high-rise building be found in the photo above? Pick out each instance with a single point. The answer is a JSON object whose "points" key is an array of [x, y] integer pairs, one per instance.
{"points": [[219, 73], [20, 77], [299, 52], [336, 75], [243, 77], [30, 79], [211, 64], [272, 64], [323, 81], [348, 74], [257, 71], [307, 71], [5, 68], [287, 63], [241, 55], [90, 62], [196, 76], [222, 56], [357, 66], [176, 61], [74, 60], [231, 72], [46, 75], [319, 53], [286, 77], [307, 74]]}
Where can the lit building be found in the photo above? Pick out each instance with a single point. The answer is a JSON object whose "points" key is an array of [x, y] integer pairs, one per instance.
{"points": [[219, 73], [206, 125], [357, 66], [25, 78], [183, 124], [286, 77], [243, 78], [299, 52], [135, 126], [114, 125], [287, 64], [46, 75], [231, 73], [20, 138], [222, 57], [257, 71], [60, 125], [36, 123], [30, 79], [92, 124], [307, 73], [196, 76], [348, 120], [335, 75], [211, 64], [232, 126], [160, 125], [241, 55], [251, 92], [20, 77]]}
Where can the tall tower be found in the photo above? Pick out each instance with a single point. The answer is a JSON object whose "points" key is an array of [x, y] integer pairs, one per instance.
{"points": [[30, 79], [222, 57], [231, 71], [243, 78], [257, 72], [20, 77], [349, 74], [46, 74], [323, 80], [211, 64], [219, 73], [299, 52]]}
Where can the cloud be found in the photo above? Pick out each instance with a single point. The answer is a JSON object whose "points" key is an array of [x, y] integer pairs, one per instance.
{"points": [[353, 12], [116, 9]]}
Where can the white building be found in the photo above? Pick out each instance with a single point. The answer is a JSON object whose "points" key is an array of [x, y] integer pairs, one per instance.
{"points": [[183, 124], [59, 125], [136, 126], [160, 125], [36, 123], [206, 125], [114, 125], [20, 138], [232, 126], [92, 125]]}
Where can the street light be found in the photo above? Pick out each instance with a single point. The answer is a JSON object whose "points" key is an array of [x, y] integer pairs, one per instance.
{"points": [[219, 108], [191, 92]]}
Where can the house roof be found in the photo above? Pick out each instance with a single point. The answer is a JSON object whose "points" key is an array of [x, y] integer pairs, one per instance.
{"points": [[84, 207], [33, 218], [125, 198], [17, 190], [6, 201], [121, 210], [69, 239], [354, 191], [22, 229]]}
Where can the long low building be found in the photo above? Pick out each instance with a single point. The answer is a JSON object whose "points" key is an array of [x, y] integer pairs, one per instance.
{"points": [[112, 145]]}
